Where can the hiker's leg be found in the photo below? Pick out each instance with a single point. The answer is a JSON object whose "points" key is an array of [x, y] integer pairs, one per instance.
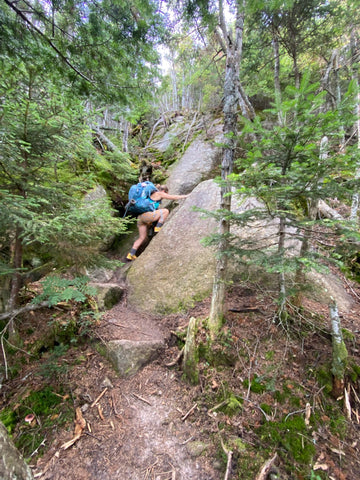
{"points": [[163, 214], [142, 227], [143, 222]]}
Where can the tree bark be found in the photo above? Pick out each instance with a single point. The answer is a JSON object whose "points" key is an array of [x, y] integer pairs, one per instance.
{"points": [[231, 97], [16, 281], [355, 198], [340, 353], [190, 361]]}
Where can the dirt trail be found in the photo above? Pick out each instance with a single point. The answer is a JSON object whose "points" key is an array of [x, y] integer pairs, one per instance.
{"points": [[142, 433]]}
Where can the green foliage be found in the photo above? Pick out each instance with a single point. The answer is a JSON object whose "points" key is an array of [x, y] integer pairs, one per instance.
{"points": [[256, 385], [46, 405], [8, 418], [287, 170], [290, 434], [110, 53], [57, 289]]}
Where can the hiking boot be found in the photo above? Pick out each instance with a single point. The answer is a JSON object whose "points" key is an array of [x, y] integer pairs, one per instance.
{"points": [[157, 229], [130, 257]]}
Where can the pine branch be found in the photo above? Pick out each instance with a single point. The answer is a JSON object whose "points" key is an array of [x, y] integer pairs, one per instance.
{"points": [[42, 35]]}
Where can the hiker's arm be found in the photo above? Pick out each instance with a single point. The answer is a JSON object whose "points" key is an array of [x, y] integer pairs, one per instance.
{"points": [[167, 196]]}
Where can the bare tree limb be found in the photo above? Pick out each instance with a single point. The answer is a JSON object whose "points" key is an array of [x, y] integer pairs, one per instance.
{"points": [[27, 308]]}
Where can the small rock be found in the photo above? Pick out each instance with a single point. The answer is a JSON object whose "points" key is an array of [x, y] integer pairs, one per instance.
{"points": [[195, 449], [106, 383]]}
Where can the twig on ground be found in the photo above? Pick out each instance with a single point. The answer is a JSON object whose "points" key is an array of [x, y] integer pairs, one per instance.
{"points": [[99, 397], [189, 412], [114, 404], [262, 475], [141, 398], [100, 412], [91, 435], [128, 328], [229, 454], [352, 290], [176, 360], [219, 405], [187, 441], [80, 424], [347, 405]]}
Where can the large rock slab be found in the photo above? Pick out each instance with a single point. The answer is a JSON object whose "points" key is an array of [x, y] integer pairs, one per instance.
{"points": [[176, 270], [12, 465], [197, 164]]}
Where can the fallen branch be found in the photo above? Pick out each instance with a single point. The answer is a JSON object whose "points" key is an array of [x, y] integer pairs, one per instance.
{"points": [[114, 404], [100, 411], [244, 309], [27, 308], [262, 475], [347, 405], [328, 212]]}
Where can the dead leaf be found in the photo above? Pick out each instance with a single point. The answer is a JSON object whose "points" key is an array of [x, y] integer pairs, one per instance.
{"points": [[80, 424]]}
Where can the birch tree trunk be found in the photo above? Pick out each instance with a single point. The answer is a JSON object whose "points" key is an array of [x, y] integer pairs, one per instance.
{"points": [[190, 361], [355, 198], [340, 353], [231, 96]]}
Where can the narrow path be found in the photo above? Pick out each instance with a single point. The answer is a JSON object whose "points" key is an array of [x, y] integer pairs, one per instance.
{"points": [[137, 430]]}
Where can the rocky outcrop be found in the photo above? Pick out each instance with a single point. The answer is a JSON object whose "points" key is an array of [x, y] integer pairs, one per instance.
{"points": [[12, 465], [198, 163], [176, 269]]}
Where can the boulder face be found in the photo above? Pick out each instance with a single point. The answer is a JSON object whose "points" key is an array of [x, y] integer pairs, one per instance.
{"points": [[175, 269], [12, 465], [197, 164]]}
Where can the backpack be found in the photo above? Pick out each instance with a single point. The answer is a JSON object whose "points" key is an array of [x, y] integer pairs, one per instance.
{"points": [[139, 199]]}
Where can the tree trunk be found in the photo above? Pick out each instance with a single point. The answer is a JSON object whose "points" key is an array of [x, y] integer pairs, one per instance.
{"points": [[340, 353], [312, 213], [231, 96], [16, 282], [355, 198], [282, 314], [275, 43], [125, 136], [190, 361], [277, 87]]}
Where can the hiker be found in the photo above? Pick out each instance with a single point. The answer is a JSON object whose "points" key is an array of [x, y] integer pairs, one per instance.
{"points": [[159, 215]]}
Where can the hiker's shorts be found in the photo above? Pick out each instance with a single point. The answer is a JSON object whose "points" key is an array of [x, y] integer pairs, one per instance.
{"points": [[149, 217]]}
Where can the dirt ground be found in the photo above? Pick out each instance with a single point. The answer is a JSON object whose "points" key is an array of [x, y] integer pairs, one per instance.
{"points": [[156, 426]]}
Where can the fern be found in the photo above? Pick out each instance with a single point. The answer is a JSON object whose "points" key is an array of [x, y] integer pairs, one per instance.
{"points": [[57, 289]]}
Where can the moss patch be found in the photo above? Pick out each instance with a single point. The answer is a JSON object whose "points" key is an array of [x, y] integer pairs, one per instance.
{"points": [[291, 436]]}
